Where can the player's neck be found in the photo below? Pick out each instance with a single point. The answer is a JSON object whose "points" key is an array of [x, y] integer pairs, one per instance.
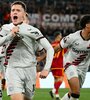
{"points": [[85, 34], [18, 23]]}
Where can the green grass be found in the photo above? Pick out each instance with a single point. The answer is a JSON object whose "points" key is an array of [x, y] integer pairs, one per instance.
{"points": [[43, 94]]}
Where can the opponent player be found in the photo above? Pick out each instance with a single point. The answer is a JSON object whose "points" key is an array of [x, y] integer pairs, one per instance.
{"points": [[20, 39], [57, 66], [77, 57]]}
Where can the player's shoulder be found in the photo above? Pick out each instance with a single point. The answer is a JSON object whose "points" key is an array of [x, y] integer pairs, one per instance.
{"points": [[75, 34], [29, 26], [34, 29], [7, 26], [72, 37]]}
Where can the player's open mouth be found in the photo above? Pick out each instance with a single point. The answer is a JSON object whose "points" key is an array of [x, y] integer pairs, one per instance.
{"points": [[15, 17]]}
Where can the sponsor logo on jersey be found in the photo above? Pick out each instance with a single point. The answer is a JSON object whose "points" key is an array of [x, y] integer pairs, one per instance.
{"points": [[80, 51]]}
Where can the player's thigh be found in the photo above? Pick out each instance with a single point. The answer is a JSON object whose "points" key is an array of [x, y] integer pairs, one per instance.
{"points": [[74, 85], [17, 96], [82, 76], [14, 81], [30, 76], [72, 76]]}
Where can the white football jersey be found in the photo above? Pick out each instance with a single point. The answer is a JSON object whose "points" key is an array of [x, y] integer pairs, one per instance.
{"points": [[78, 52], [23, 54]]}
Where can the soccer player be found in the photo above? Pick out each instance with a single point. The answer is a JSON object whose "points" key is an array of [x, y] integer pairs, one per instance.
{"points": [[77, 58], [20, 40], [2, 71], [57, 66]]}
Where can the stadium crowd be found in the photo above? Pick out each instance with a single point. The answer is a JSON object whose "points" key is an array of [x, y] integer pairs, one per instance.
{"points": [[41, 7]]}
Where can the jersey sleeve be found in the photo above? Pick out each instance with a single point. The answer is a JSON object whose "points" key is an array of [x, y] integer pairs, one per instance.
{"points": [[36, 34], [67, 41], [50, 52], [3, 31], [4, 35], [30, 31], [40, 47]]}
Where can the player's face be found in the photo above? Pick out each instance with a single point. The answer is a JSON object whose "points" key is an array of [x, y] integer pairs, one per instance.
{"points": [[58, 38], [88, 29], [17, 14]]}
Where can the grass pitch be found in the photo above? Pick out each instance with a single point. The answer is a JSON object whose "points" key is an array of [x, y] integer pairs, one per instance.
{"points": [[43, 94]]}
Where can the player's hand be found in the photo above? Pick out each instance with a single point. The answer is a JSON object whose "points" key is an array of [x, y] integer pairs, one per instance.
{"points": [[44, 73], [15, 30]]}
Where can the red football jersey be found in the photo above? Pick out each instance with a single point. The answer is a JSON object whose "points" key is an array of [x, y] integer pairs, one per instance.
{"points": [[57, 64], [58, 57]]}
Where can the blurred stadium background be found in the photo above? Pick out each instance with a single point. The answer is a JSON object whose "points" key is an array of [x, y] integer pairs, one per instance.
{"points": [[50, 16]]}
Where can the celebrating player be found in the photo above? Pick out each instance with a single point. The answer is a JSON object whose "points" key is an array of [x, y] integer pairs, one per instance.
{"points": [[77, 57], [20, 40]]}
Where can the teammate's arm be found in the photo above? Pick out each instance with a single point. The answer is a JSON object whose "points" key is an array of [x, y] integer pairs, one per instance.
{"points": [[49, 57]]}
